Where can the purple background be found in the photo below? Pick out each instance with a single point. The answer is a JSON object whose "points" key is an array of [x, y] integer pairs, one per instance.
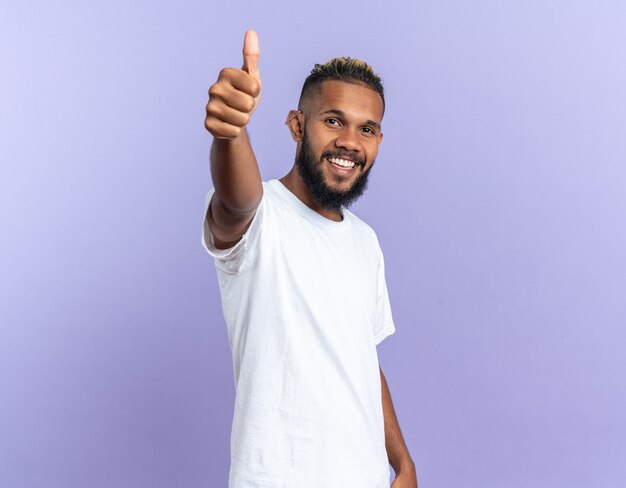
{"points": [[499, 198]]}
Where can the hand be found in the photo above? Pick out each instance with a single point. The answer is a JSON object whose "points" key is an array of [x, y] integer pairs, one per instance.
{"points": [[236, 93], [405, 479]]}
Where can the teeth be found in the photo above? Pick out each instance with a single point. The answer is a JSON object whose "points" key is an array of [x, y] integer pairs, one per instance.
{"points": [[342, 162]]}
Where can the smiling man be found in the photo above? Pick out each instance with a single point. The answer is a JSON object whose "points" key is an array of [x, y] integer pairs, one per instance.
{"points": [[302, 283]]}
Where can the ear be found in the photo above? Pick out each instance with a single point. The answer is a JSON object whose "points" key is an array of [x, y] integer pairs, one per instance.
{"points": [[295, 124], [380, 137]]}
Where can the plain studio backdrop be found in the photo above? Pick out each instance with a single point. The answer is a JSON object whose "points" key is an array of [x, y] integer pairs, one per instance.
{"points": [[499, 198]]}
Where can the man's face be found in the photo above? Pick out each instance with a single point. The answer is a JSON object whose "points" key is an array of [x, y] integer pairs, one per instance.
{"points": [[340, 142]]}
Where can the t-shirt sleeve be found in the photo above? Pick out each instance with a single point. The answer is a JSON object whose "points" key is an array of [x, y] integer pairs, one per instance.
{"points": [[232, 259], [383, 326]]}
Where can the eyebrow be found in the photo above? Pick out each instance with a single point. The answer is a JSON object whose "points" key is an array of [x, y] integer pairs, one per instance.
{"points": [[339, 112]]}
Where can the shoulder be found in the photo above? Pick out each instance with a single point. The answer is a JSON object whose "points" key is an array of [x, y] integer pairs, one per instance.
{"points": [[363, 229], [270, 191]]}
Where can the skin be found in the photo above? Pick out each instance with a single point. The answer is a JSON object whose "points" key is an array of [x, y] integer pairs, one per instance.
{"points": [[397, 452], [343, 119], [233, 98]]}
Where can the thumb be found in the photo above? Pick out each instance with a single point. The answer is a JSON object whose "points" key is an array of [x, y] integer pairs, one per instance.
{"points": [[251, 53]]}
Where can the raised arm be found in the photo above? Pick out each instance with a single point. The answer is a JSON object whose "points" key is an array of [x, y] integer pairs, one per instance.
{"points": [[234, 168]]}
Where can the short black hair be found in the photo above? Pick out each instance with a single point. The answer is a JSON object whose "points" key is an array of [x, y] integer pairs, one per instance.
{"points": [[350, 70]]}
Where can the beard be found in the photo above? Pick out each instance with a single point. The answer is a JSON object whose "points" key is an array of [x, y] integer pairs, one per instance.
{"points": [[311, 173]]}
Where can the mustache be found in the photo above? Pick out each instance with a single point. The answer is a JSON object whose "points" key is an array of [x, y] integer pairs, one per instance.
{"points": [[344, 155]]}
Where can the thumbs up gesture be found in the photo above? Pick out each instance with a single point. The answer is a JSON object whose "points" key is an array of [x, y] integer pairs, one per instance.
{"points": [[236, 93]]}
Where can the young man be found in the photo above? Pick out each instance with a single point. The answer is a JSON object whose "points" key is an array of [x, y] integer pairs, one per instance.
{"points": [[303, 287]]}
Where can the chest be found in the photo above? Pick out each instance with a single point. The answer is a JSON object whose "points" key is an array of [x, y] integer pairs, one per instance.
{"points": [[325, 269]]}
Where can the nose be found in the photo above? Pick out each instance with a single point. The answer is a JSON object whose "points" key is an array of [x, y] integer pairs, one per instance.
{"points": [[348, 141]]}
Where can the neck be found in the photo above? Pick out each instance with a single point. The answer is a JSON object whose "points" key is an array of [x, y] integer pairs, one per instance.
{"points": [[293, 182]]}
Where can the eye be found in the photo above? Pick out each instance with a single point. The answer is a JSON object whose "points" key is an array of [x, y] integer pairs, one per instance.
{"points": [[331, 120], [369, 130]]}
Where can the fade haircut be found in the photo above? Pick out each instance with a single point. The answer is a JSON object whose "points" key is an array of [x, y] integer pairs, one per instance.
{"points": [[350, 70]]}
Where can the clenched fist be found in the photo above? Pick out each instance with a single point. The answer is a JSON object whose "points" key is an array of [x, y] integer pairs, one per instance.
{"points": [[235, 95]]}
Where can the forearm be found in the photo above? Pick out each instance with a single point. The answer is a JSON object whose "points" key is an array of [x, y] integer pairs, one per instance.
{"points": [[235, 174], [397, 452]]}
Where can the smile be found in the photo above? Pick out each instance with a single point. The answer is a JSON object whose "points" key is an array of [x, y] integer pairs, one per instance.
{"points": [[342, 163]]}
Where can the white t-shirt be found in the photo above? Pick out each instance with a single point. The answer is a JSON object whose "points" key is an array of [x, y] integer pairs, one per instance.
{"points": [[305, 303]]}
